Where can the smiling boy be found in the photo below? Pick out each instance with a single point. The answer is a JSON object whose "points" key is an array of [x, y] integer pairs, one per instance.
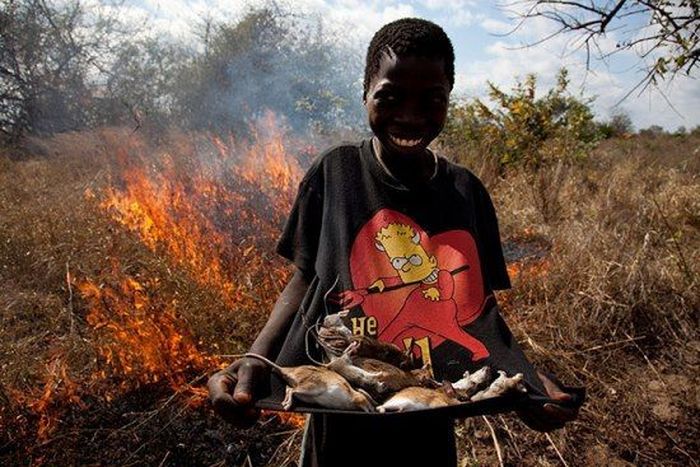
{"points": [[350, 202]]}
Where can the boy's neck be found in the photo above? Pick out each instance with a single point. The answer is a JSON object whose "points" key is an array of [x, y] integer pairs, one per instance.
{"points": [[409, 170]]}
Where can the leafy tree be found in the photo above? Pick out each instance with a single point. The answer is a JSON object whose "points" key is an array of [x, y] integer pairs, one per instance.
{"points": [[64, 66], [140, 83], [653, 131], [49, 53], [267, 61], [619, 124]]}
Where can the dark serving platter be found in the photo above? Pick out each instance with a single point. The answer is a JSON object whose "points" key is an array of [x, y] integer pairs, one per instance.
{"points": [[509, 403]]}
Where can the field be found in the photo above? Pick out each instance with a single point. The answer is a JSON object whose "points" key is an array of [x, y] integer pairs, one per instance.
{"points": [[128, 265]]}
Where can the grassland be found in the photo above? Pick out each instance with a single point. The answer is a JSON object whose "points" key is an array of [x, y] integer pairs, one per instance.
{"points": [[613, 306]]}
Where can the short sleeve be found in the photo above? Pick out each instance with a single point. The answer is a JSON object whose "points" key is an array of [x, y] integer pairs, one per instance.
{"points": [[494, 264], [300, 237]]}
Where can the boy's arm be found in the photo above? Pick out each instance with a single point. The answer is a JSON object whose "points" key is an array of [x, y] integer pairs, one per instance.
{"points": [[232, 391]]}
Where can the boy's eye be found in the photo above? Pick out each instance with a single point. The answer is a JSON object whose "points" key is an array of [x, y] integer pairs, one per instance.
{"points": [[438, 99], [387, 97]]}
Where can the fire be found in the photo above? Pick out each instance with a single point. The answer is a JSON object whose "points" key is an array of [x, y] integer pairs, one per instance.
{"points": [[212, 207], [528, 268], [529, 261], [215, 210], [59, 391], [139, 338], [296, 420], [209, 208]]}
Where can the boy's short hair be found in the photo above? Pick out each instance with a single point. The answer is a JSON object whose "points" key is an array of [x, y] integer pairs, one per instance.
{"points": [[410, 37]]}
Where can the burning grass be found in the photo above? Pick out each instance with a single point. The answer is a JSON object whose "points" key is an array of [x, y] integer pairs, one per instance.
{"points": [[127, 267], [132, 267]]}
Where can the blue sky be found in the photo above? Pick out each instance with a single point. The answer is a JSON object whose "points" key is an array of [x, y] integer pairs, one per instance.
{"points": [[482, 51]]}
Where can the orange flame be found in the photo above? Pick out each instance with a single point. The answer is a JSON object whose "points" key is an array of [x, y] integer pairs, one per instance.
{"points": [[219, 217], [141, 342], [213, 208], [59, 390]]}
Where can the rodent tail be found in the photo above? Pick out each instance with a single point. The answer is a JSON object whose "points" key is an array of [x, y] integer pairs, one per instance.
{"points": [[275, 367]]}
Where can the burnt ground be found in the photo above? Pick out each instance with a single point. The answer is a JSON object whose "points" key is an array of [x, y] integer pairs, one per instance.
{"points": [[149, 426]]}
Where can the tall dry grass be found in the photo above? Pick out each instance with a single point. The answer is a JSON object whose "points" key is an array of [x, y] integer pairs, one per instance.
{"points": [[58, 381], [616, 308]]}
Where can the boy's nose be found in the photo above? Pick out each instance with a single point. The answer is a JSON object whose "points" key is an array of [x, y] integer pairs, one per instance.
{"points": [[411, 115]]}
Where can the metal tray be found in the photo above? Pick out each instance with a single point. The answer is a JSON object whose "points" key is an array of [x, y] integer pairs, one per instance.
{"points": [[493, 406]]}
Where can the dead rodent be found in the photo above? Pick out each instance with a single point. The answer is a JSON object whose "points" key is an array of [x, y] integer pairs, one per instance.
{"points": [[416, 398], [318, 385], [335, 337], [470, 383], [375, 376], [370, 347], [334, 323], [501, 386]]}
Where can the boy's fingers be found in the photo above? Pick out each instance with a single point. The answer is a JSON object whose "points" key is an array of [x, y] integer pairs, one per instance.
{"points": [[234, 409], [559, 413], [243, 394], [220, 386], [220, 389]]}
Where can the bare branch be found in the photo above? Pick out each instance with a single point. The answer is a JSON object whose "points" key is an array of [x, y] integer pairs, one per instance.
{"points": [[671, 35]]}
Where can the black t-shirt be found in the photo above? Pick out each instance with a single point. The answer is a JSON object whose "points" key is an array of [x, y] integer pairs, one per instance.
{"points": [[418, 267]]}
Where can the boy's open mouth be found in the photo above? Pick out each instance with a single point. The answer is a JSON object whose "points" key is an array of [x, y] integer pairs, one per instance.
{"points": [[405, 143]]}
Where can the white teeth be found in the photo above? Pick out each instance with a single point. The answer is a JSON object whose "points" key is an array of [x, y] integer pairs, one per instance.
{"points": [[407, 143]]}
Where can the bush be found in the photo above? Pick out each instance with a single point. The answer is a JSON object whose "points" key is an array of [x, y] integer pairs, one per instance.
{"points": [[521, 129], [653, 131]]}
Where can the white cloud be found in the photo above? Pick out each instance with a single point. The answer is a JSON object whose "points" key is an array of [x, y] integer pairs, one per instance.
{"points": [[509, 59], [448, 4], [494, 26], [458, 13]]}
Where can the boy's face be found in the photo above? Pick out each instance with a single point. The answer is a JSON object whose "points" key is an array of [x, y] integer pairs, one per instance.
{"points": [[407, 103]]}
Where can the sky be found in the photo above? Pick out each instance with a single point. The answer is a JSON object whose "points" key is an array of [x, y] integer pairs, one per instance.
{"points": [[486, 49]]}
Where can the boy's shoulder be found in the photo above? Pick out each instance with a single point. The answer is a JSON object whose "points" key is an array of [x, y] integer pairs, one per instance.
{"points": [[334, 157], [462, 176]]}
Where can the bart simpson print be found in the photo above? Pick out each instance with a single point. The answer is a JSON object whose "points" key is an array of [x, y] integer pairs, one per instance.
{"points": [[430, 305]]}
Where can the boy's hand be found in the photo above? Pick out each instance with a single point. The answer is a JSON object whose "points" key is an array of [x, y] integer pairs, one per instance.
{"points": [[550, 416], [232, 391]]}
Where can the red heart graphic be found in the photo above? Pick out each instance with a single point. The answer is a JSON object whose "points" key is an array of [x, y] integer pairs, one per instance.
{"points": [[393, 307]]}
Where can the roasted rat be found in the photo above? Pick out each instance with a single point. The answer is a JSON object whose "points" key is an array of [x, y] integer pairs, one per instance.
{"points": [[416, 398], [318, 385]]}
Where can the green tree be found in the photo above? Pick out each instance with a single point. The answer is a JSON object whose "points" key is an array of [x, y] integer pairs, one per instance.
{"points": [[520, 129], [619, 124], [268, 61]]}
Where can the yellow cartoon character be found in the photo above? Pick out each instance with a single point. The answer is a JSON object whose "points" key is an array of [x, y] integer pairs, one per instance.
{"points": [[402, 245], [430, 306]]}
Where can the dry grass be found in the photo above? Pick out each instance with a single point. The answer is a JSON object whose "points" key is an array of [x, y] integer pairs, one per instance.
{"points": [[613, 307], [59, 373], [617, 309]]}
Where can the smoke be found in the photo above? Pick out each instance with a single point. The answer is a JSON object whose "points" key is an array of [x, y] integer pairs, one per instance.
{"points": [[270, 61], [222, 77]]}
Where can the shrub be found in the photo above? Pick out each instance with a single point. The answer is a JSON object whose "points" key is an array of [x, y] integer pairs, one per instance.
{"points": [[521, 129]]}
